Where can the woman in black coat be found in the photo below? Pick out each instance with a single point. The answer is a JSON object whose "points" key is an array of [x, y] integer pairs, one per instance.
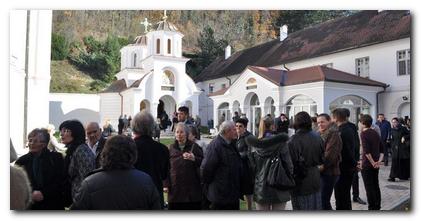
{"points": [[400, 151], [45, 172], [307, 153], [184, 185]]}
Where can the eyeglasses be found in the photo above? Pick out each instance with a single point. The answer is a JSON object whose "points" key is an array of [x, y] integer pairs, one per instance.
{"points": [[91, 132]]}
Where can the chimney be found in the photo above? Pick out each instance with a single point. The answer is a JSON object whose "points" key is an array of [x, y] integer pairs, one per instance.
{"points": [[227, 52], [283, 32]]}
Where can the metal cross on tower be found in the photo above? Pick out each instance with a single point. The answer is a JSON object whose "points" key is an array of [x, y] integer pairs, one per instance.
{"points": [[146, 24]]}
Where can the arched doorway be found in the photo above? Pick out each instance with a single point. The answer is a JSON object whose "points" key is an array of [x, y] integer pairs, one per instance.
{"points": [[269, 106], [404, 110], [223, 113], [144, 105], [236, 107], [300, 103], [167, 104], [253, 111], [355, 104]]}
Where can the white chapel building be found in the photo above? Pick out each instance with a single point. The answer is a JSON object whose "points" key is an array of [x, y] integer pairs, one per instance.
{"points": [[152, 76]]}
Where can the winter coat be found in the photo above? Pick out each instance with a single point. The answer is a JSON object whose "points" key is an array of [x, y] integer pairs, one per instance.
{"points": [[49, 179], [153, 159], [221, 171], [349, 160], [248, 175], [184, 183], [400, 150], [117, 190], [82, 162], [332, 147], [311, 146], [265, 150]]}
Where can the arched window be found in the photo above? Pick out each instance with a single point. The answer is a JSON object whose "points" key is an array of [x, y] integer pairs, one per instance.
{"points": [[355, 104], [167, 82], [251, 84], [169, 46], [158, 46]]}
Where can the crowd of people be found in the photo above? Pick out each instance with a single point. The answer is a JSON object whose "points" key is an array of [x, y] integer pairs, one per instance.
{"points": [[104, 170]]}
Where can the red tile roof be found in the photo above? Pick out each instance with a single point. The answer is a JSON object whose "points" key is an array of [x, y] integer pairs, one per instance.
{"points": [[312, 74], [359, 30]]}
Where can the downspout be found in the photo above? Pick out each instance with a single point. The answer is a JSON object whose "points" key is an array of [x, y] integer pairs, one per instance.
{"points": [[121, 103], [229, 80], [25, 99], [285, 66], [377, 97]]}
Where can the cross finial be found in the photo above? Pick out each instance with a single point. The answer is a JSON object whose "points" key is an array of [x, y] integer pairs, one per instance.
{"points": [[165, 15], [146, 24]]}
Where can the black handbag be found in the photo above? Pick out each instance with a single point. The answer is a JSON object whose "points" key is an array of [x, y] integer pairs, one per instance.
{"points": [[278, 175]]}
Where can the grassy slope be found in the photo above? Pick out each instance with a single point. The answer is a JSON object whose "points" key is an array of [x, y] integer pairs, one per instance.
{"points": [[65, 78]]}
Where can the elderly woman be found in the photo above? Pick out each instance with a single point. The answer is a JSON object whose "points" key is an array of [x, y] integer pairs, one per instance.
{"points": [[184, 186], [117, 185], [307, 153], [329, 170], [79, 160]]}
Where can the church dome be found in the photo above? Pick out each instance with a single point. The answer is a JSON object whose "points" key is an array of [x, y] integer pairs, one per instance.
{"points": [[140, 40], [165, 26]]}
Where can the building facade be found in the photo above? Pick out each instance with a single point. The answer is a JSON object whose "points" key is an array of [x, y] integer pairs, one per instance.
{"points": [[369, 44], [153, 77]]}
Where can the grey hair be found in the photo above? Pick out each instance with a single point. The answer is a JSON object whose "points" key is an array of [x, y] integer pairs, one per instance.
{"points": [[143, 123], [185, 128], [225, 126]]}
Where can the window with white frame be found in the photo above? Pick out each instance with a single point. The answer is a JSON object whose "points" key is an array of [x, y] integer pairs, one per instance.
{"points": [[223, 86], [404, 62], [211, 86], [362, 67]]}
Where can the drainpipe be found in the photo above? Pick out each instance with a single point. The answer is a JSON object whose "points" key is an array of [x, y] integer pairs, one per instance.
{"points": [[25, 99], [377, 97], [229, 80], [285, 66], [121, 103]]}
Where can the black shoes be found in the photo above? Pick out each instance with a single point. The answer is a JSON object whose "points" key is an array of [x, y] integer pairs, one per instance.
{"points": [[359, 200]]}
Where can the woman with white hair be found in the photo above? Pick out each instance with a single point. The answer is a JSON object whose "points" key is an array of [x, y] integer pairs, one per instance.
{"points": [[184, 186]]}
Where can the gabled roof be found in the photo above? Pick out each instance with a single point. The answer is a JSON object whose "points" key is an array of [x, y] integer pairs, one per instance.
{"points": [[116, 86], [312, 74], [358, 30], [307, 75]]}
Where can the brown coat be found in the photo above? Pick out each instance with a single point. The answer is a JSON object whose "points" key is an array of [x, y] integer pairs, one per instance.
{"points": [[184, 183], [333, 148]]}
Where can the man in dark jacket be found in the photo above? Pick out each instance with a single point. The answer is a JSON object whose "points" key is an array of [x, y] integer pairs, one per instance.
{"points": [[96, 140], [348, 164], [152, 157], [385, 132], [245, 153], [282, 124], [45, 172], [117, 185], [355, 180], [120, 125], [221, 169]]}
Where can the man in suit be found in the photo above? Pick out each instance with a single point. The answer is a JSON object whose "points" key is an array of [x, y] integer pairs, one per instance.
{"points": [[96, 140]]}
